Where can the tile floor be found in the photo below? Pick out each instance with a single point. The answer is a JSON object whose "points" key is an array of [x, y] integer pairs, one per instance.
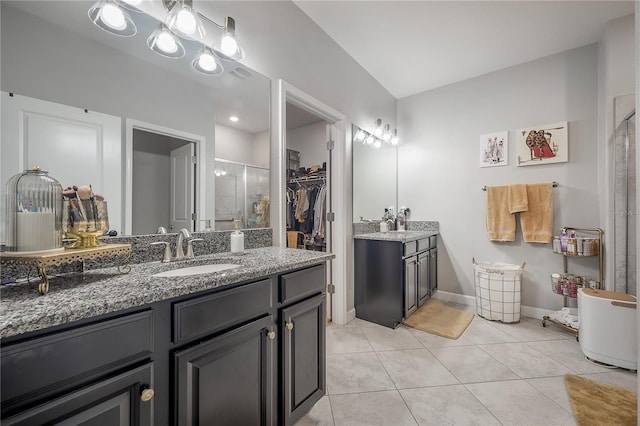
{"points": [[509, 374]]}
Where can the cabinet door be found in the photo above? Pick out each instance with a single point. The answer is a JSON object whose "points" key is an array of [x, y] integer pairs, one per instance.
{"points": [[410, 286], [433, 270], [304, 362], [423, 278], [125, 399], [227, 380]]}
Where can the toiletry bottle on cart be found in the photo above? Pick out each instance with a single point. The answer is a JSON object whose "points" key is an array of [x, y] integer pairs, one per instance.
{"points": [[237, 238]]}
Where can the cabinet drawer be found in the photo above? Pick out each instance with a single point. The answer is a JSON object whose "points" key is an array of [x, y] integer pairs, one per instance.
{"points": [[299, 284], [53, 363], [410, 248], [423, 244], [207, 314]]}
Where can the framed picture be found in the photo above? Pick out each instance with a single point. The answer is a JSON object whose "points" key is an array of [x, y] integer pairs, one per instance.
{"points": [[543, 144], [494, 149]]}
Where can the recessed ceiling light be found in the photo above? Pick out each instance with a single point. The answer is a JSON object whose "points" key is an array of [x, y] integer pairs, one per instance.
{"points": [[234, 118]]}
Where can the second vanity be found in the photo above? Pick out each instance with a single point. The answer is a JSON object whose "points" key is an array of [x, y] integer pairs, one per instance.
{"points": [[241, 346], [395, 273]]}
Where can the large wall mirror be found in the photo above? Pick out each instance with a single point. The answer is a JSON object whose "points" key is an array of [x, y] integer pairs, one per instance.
{"points": [[374, 179], [164, 109]]}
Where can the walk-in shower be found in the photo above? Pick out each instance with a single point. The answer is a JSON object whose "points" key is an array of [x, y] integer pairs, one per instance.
{"points": [[625, 194]]}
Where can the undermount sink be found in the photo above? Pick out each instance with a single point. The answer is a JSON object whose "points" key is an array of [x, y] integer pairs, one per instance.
{"points": [[197, 270]]}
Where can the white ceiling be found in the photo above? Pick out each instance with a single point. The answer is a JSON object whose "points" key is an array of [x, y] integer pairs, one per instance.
{"points": [[413, 46]]}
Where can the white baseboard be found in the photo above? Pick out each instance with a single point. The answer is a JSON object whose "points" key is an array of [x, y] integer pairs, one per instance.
{"points": [[463, 299], [351, 314]]}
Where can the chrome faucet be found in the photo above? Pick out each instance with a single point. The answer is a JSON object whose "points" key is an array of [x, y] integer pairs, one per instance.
{"points": [[180, 254]]}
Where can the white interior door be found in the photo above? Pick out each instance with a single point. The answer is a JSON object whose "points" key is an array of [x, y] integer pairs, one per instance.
{"points": [[182, 184], [76, 147]]}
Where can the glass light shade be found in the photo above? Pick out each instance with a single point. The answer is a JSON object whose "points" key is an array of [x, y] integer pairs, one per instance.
{"points": [[107, 15], [186, 23], [394, 137], [360, 135], [386, 135], [369, 140], [377, 132], [207, 63], [165, 43]]}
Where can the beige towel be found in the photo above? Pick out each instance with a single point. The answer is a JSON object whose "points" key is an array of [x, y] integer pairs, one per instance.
{"points": [[501, 225], [518, 201], [537, 221]]}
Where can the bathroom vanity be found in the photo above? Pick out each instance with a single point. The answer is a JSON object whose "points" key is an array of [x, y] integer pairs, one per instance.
{"points": [[242, 346], [395, 273]]}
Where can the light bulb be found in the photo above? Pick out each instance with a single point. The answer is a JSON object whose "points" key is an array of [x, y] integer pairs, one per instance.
{"points": [[369, 140], [113, 17], [185, 21], [377, 132], [223, 173], [386, 136], [166, 42], [377, 143], [360, 135], [394, 137], [228, 45], [207, 62], [234, 118]]}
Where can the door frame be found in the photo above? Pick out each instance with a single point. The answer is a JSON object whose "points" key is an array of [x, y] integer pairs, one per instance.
{"points": [[283, 92], [200, 166]]}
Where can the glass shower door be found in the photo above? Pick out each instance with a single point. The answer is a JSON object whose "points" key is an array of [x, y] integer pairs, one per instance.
{"points": [[230, 194], [257, 197]]}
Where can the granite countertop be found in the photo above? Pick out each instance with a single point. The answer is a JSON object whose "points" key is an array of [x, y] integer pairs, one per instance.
{"points": [[96, 292], [401, 236]]}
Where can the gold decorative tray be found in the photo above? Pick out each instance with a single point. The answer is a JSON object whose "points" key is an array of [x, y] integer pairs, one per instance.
{"points": [[42, 261]]}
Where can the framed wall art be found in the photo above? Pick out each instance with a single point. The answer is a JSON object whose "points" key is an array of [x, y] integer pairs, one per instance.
{"points": [[544, 144], [494, 149]]}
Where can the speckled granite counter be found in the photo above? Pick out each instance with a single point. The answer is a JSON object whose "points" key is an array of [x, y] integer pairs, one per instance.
{"points": [[401, 236], [100, 291]]}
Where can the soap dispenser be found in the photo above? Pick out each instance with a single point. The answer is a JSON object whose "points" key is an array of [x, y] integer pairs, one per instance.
{"points": [[237, 238]]}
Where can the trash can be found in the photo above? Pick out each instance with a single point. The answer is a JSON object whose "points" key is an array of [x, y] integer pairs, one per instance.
{"points": [[498, 289]]}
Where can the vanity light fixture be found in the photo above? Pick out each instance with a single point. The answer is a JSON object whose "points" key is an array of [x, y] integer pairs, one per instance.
{"points": [[377, 132], [206, 62], [183, 20], [386, 135], [165, 43], [394, 137], [229, 46], [360, 135], [108, 15]]}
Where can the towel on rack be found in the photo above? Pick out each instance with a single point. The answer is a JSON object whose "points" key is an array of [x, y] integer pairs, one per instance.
{"points": [[501, 225], [518, 200], [537, 221]]}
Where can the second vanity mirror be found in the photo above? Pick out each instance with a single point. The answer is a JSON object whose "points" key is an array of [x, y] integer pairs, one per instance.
{"points": [[374, 178], [51, 51]]}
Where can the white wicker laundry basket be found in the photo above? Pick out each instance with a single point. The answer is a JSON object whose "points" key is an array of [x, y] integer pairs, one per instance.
{"points": [[498, 289]]}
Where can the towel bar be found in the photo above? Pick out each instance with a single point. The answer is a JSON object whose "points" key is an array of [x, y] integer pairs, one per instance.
{"points": [[554, 183]]}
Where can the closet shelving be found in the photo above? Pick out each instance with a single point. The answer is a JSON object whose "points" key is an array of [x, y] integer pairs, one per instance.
{"points": [[597, 234]]}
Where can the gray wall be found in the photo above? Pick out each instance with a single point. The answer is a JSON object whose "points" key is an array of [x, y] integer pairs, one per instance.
{"points": [[311, 142], [439, 173]]}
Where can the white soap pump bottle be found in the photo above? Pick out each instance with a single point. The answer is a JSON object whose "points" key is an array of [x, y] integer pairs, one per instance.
{"points": [[237, 239]]}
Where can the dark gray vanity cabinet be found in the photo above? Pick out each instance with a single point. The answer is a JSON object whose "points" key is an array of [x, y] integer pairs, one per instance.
{"points": [[302, 342], [393, 278], [250, 353], [96, 373], [227, 380]]}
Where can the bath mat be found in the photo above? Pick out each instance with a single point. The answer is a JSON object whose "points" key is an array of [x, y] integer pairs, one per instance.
{"points": [[596, 403], [436, 318]]}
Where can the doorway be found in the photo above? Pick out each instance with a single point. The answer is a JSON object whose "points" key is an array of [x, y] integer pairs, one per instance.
{"points": [[162, 179], [337, 196]]}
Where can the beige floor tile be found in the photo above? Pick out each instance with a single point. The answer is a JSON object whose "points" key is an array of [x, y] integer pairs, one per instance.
{"points": [[618, 377], [525, 361], [446, 405], [516, 402], [371, 409], [387, 339], [480, 332], [554, 388], [429, 340], [320, 414], [413, 368], [351, 373], [529, 330], [346, 339], [472, 364], [567, 353]]}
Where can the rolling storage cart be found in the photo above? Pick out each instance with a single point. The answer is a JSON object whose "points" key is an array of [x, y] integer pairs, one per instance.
{"points": [[588, 243]]}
